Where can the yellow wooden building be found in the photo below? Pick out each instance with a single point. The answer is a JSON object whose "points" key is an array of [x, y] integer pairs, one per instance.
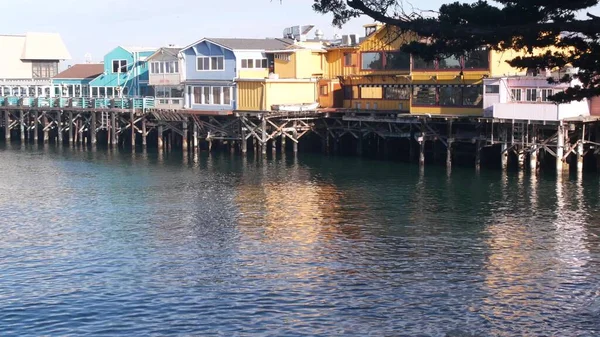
{"points": [[294, 81], [374, 75]]}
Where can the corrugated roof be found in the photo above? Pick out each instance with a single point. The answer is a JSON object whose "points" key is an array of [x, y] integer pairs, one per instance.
{"points": [[252, 44], [44, 46], [77, 71]]}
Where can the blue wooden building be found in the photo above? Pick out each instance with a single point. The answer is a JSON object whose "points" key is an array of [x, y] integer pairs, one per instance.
{"points": [[212, 65], [125, 74]]}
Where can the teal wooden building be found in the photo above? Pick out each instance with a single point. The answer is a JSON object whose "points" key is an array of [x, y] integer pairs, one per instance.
{"points": [[75, 81], [125, 74]]}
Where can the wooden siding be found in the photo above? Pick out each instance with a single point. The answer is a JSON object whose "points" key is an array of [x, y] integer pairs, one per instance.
{"points": [[253, 73], [251, 96], [438, 110], [336, 66], [261, 95], [286, 69]]}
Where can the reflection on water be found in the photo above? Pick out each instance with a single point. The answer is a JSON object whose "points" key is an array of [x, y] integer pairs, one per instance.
{"points": [[119, 243]]}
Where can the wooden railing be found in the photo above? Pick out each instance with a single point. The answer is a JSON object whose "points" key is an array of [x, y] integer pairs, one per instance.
{"points": [[78, 102]]}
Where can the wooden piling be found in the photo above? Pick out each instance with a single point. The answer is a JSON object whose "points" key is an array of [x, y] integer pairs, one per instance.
{"points": [[113, 129], [161, 139], [144, 133], [70, 128], [92, 128], [560, 144], [263, 141], [449, 140], [59, 127], [184, 138], [7, 125], [132, 126], [22, 126], [45, 127]]}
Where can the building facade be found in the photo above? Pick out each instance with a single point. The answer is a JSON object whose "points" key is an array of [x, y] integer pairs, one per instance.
{"points": [[75, 81], [125, 74], [212, 67], [28, 63], [165, 78]]}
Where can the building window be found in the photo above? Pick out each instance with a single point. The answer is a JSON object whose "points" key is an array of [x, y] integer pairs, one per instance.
{"points": [[492, 89], [515, 94], [212, 95], [349, 60], [371, 92], [283, 57], [164, 67], [472, 96], [397, 61], [424, 96], [478, 59], [531, 95], [210, 63], [255, 63], [119, 66], [396, 93], [451, 96], [44, 69], [419, 63], [451, 62], [545, 94], [372, 61], [324, 90]]}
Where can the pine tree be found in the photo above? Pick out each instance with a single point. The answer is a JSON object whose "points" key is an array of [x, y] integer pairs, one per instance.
{"points": [[569, 36]]}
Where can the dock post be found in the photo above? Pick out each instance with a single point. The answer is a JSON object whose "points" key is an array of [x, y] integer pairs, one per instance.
{"points": [[22, 126], [184, 138], [422, 151], [450, 140], [7, 125], [132, 125], [533, 152], [71, 128], [144, 133], [274, 146], [92, 129], [210, 145], [195, 136], [35, 126], [296, 139], [160, 137], [560, 143], [521, 157], [359, 145], [45, 125], [59, 127], [283, 137], [504, 147], [244, 141], [580, 150], [113, 129], [478, 155], [263, 141]]}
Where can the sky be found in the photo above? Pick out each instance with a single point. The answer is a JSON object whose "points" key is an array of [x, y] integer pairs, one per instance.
{"points": [[98, 26]]}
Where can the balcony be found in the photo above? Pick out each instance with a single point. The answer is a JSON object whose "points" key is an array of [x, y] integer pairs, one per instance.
{"points": [[540, 111]]}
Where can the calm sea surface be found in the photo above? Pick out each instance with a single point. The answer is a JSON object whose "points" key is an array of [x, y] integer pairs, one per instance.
{"points": [[114, 243]]}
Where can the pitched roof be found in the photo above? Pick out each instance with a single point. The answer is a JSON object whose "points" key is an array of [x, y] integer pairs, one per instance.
{"points": [[166, 50], [91, 70], [44, 46], [138, 49], [252, 44]]}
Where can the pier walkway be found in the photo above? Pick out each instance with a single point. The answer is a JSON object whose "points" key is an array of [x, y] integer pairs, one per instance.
{"points": [[423, 137]]}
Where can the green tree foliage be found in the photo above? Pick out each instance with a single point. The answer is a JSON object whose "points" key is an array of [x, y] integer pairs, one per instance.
{"points": [[459, 28]]}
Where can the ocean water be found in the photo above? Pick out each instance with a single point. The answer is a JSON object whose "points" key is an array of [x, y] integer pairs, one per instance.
{"points": [[109, 242]]}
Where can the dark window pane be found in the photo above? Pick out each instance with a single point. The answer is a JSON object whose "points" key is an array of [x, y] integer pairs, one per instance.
{"points": [[473, 96], [397, 60], [396, 93], [477, 59], [373, 61], [451, 62], [419, 63], [424, 96], [492, 89], [450, 96]]}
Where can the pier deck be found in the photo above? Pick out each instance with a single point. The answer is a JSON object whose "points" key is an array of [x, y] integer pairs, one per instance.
{"points": [[121, 121]]}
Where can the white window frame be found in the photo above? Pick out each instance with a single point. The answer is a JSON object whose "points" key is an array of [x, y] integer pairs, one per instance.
{"points": [[211, 96], [121, 65], [531, 93], [513, 96], [549, 92], [198, 58]]}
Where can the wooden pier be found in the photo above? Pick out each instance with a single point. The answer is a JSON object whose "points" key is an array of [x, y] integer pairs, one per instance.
{"points": [[524, 144]]}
